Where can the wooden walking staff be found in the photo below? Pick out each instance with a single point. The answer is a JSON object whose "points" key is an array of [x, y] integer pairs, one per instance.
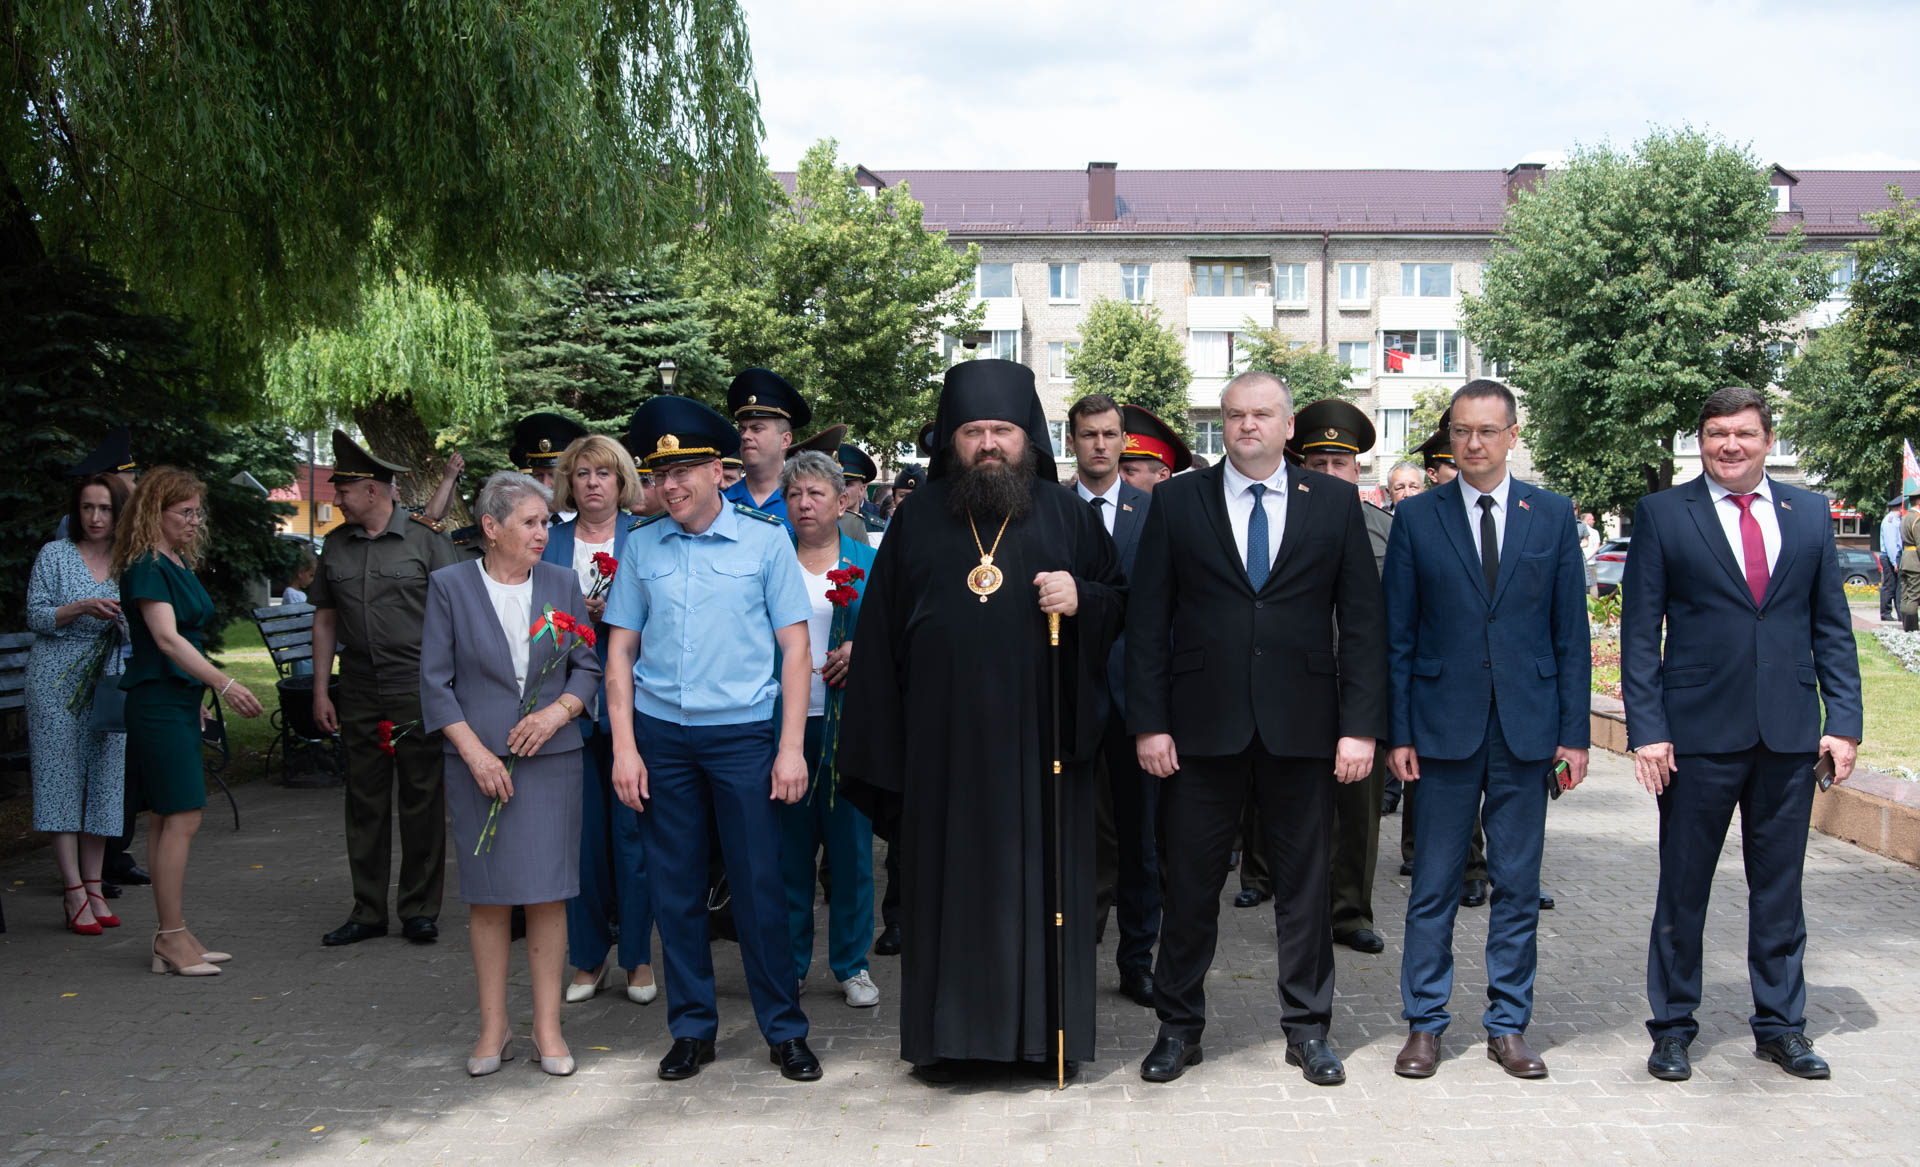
{"points": [[1059, 868]]}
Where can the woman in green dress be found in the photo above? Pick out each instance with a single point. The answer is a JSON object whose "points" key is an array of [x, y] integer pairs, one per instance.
{"points": [[156, 547]]}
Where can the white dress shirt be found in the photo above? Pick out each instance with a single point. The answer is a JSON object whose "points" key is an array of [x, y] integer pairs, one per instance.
{"points": [[1728, 513], [513, 606], [1112, 497], [1239, 490], [1471, 495]]}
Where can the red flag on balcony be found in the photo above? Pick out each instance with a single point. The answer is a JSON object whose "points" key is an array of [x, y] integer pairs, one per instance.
{"points": [[1397, 360]]}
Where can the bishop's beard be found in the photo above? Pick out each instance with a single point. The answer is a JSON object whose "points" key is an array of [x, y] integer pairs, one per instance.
{"points": [[992, 489]]}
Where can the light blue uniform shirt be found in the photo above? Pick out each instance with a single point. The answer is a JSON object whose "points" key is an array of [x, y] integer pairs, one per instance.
{"points": [[775, 506], [706, 607]]}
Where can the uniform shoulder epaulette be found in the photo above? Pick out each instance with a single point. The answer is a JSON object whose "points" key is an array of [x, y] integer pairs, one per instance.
{"points": [[757, 513], [1376, 506], [430, 524], [643, 520]]}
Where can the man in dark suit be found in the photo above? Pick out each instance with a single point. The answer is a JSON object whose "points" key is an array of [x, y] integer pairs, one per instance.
{"points": [[1487, 648], [1125, 874], [1234, 683], [1742, 572]]}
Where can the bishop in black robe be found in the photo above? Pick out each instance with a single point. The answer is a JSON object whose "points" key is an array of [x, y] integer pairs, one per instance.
{"points": [[963, 740]]}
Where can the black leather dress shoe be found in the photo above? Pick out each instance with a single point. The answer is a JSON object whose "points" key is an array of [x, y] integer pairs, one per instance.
{"points": [[1169, 1059], [1406, 868], [109, 890], [685, 1058], [1362, 940], [134, 875], [1793, 1052], [1250, 898], [1389, 802], [795, 1060], [1546, 903], [420, 930], [889, 942], [1474, 893], [353, 932], [1669, 1061], [1137, 986], [937, 1073], [1317, 1062]]}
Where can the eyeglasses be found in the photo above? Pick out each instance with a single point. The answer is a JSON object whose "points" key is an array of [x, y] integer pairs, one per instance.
{"points": [[1462, 435], [193, 515]]}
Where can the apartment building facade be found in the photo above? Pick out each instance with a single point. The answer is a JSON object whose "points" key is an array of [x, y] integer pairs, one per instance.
{"points": [[1369, 265]]}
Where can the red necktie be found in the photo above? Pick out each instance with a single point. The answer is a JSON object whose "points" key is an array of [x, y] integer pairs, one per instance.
{"points": [[1752, 546]]}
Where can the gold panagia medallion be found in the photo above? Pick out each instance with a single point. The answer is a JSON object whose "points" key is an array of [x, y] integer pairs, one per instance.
{"points": [[986, 579]]}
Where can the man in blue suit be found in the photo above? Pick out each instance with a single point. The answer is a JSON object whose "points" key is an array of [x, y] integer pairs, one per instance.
{"points": [[1126, 871], [1488, 658], [1742, 572]]}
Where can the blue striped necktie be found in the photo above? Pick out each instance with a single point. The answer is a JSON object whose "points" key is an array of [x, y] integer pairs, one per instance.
{"points": [[1259, 563]]}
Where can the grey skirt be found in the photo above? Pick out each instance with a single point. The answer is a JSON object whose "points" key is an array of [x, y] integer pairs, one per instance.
{"points": [[535, 855]]}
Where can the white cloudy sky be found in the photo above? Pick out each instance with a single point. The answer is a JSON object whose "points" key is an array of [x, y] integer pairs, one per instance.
{"points": [[1371, 83]]}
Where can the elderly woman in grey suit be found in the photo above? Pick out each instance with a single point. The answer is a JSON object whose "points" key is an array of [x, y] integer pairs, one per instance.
{"points": [[500, 677]]}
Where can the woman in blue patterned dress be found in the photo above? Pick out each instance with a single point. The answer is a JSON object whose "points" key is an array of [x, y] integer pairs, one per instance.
{"points": [[73, 604]]}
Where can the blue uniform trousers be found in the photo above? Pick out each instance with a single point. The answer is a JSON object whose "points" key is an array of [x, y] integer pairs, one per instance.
{"points": [[613, 870], [1451, 794], [805, 826], [720, 774], [1775, 795]]}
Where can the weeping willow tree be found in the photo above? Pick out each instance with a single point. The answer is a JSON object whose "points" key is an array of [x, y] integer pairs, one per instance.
{"points": [[418, 359], [243, 165]]}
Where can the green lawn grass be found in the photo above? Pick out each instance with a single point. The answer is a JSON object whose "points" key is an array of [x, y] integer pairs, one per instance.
{"points": [[1891, 699]]}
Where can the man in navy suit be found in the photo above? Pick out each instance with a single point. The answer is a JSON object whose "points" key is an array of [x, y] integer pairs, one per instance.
{"points": [[1125, 872], [1488, 657], [1743, 573]]}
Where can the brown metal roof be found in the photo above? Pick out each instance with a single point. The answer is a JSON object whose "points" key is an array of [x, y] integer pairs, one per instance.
{"points": [[1419, 202]]}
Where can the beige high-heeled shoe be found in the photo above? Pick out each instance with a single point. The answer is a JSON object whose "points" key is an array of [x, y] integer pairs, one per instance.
{"points": [[481, 1067], [162, 964], [559, 1067]]}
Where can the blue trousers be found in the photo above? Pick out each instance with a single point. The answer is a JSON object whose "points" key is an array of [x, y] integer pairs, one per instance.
{"points": [[1775, 795], [613, 871], [805, 827], [1451, 794], [718, 774]]}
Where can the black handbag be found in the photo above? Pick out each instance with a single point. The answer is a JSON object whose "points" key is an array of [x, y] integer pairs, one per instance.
{"points": [[109, 706]]}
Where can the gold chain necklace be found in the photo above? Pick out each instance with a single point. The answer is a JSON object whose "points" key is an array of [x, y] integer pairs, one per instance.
{"points": [[986, 579]]}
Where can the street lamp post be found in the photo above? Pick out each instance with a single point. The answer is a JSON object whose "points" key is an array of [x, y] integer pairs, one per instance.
{"points": [[669, 373]]}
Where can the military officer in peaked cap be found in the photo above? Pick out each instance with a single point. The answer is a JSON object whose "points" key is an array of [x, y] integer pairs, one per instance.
{"points": [[1153, 453], [538, 442], [767, 409], [1436, 453], [370, 596], [859, 469], [691, 688], [1329, 436]]}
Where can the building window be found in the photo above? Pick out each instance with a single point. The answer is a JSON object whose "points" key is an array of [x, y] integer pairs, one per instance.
{"points": [[994, 281], [1136, 282], [1057, 434], [1782, 448], [1427, 352], [1063, 283], [1426, 279], [1393, 431], [1219, 279], [1357, 356], [1782, 199], [1059, 352], [1840, 284], [1003, 344], [1290, 283], [1208, 439], [1210, 354], [1687, 442], [1353, 282]]}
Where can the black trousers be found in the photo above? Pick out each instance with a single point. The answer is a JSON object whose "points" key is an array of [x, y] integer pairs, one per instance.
{"points": [[1200, 812], [1775, 795], [1125, 864], [1889, 590]]}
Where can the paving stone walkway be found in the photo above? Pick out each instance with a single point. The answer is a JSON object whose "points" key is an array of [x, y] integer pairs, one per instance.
{"points": [[318, 1056]]}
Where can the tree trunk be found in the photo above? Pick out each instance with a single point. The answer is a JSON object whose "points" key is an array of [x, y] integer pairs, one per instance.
{"points": [[395, 433]]}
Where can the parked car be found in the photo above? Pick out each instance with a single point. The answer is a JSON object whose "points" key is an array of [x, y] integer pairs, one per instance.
{"points": [[1859, 566], [1609, 564]]}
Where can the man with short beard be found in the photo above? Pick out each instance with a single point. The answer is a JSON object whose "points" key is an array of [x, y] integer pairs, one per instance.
{"points": [[962, 588]]}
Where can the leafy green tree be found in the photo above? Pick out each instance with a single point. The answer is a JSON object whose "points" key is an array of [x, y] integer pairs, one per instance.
{"points": [[1311, 375], [1627, 288], [1126, 353], [1854, 391], [241, 163], [846, 297], [1428, 404]]}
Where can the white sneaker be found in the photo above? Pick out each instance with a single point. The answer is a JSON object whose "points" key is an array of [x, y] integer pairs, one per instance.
{"points": [[861, 992]]}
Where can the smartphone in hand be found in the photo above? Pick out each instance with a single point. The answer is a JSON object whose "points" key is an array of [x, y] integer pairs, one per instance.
{"points": [[1823, 771], [1557, 776]]}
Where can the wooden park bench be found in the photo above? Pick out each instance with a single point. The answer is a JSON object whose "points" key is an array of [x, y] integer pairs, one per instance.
{"points": [[287, 630]]}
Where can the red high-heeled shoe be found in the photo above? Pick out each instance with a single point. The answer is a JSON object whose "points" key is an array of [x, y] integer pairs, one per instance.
{"points": [[106, 918], [92, 928]]}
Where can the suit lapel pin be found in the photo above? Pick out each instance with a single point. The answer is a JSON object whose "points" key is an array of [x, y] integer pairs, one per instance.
{"points": [[1126, 506], [1523, 504], [1302, 488], [1785, 505]]}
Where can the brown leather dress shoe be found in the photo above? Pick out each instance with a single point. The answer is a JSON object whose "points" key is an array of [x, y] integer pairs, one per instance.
{"points": [[1515, 1056], [1419, 1058]]}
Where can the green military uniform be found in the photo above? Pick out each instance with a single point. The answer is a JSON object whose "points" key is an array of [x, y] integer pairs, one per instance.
{"points": [[1910, 562], [376, 584]]}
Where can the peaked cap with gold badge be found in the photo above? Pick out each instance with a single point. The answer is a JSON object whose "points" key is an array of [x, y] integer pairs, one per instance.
{"points": [[672, 431], [764, 393], [1149, 437], [353, 464], [1330, 425], [540, 439]]}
